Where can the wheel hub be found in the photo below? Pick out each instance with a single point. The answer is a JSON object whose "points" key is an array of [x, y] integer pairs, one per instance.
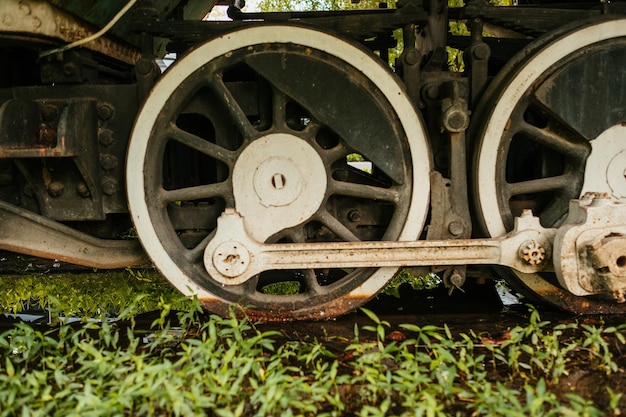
{"points": [[606, 166], [279, 181]]}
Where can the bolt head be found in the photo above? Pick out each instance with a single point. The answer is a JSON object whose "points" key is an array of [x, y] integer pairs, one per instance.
{"points": [[108, 162], [82, 190], [105, 111], [109, 186], [56, 188], [456, 228], [106, 137]]}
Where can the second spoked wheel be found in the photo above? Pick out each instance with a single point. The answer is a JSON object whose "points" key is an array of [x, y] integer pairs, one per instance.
{"points": [[309, 137], [551, 127]]}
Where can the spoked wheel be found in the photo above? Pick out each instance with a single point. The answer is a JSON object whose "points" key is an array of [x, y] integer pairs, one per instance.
{"points": [[551, 128], [267, 120]]}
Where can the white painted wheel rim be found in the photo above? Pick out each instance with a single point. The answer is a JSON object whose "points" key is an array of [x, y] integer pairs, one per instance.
{"points": [[517, 87], [371, 68]]}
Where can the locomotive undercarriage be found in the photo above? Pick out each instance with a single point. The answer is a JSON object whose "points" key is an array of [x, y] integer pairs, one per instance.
{"points": [[280, 149]]}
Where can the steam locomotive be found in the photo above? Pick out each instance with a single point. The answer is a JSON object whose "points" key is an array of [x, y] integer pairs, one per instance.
{"points": [[324, 150]]}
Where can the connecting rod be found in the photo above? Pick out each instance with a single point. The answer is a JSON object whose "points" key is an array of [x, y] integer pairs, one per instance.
{"points": [[232, 257]]}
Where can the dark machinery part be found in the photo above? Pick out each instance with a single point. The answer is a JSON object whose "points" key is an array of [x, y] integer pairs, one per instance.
{"points": [[376, 152]]}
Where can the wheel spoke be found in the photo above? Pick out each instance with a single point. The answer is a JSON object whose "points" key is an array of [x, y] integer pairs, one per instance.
{"points": [[560, 143], [540, 185], [310, 282], [335, 226], [334, 154], [237, 115], [201, 145], [199, 192], [196, 254], [279, 108], [555, 212], [249, 287], [364, 191]]}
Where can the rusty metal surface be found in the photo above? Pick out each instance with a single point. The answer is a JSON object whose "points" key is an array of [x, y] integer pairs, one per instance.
{"points": [[540, 289], [27, 233], [592, 250], [43, 20], [280, 314]]}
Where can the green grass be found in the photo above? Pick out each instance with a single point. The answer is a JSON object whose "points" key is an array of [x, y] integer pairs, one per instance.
{"points": [[88, 294], [230, 367]]}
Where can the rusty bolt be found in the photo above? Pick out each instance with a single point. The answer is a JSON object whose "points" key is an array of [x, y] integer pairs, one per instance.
{"points": [[82, 189], [105, 111], [456, 228], [109, 186], [532, 252], [56, 188], [108, 162], [106, 137], [354, 215]]}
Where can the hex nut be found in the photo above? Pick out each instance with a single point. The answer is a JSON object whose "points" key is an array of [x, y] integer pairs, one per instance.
{"points": [[108, 162], [106, 137], [109, 186], [105, 111], [532, 253]]}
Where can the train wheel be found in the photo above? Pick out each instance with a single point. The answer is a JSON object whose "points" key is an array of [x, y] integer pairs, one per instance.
{"points": [[268, 120], [551, 127]]}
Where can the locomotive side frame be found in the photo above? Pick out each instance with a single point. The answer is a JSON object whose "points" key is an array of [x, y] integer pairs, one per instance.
{"points": [[66, 119]]}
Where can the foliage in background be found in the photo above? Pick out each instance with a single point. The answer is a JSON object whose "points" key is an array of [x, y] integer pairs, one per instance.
{"points": [[229, 367], [455, 56]]}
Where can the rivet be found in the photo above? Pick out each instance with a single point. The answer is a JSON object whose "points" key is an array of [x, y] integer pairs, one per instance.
{"points": [[456, 228], [82, 189], [56, 188]]}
